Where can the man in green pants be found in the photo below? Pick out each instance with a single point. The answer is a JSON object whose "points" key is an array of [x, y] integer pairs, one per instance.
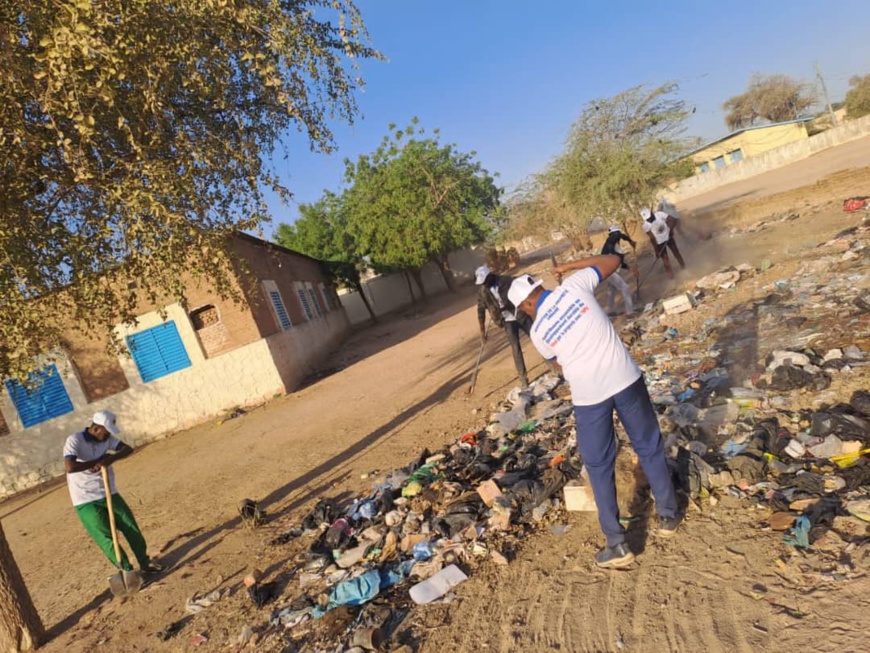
{"points": [[84, 455]]}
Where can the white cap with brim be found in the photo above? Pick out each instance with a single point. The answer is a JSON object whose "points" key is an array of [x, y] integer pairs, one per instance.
{"points": [[480, 275], [645, 213], [613, 229], [521, 288], [106, 419]]}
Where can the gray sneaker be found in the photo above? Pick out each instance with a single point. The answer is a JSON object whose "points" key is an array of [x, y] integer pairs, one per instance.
{"points": [[668, 526], [614, 557]]}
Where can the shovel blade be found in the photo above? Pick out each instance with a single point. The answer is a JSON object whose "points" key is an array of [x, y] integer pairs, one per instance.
{"points": [[125, 583]]}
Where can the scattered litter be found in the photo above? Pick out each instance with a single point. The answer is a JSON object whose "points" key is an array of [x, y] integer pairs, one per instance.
{"points": [[196, 603]]}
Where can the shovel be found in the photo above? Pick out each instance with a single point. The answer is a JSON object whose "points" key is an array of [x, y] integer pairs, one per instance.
{"points": [[124, 583], [479, 356]]}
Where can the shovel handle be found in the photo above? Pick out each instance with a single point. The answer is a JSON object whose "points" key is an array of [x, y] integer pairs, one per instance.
{"points": [[105, 473]]}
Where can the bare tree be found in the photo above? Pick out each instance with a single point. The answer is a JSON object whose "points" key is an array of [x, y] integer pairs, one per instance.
{"points": [[775, 98]]}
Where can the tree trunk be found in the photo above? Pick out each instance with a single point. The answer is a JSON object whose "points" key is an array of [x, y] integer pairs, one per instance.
{"points": [[417, 273], [21, 628], [444, 267], [365, 300], [410, 288]]}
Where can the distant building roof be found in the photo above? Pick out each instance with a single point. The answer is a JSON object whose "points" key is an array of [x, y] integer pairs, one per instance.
{"points": [[746, 129]]}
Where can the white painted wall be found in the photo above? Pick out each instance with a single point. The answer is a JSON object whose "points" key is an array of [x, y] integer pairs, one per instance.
{"points": [[297, 351], [244, 376], [389, 292]]}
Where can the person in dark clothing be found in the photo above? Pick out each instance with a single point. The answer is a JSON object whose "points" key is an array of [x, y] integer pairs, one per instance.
{"points": [[493, 297], [614, 283], [611, 245]]}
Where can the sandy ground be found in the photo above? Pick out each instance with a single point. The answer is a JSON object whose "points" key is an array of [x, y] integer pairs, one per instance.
{"points": [[399, 387]]}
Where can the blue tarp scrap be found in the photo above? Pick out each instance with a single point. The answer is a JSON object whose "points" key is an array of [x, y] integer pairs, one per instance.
{"points": [[799, 534]]}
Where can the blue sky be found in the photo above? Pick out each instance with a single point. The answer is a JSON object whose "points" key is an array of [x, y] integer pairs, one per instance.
{"points": [[507, 78]]}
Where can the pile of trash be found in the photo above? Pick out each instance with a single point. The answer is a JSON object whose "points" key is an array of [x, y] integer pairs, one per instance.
{"points": [[746, 401], [423, 528], [733, 399]]}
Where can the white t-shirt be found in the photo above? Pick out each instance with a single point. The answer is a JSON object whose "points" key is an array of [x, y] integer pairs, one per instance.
{"points": [[659, 227], [572, 328], [506, 314], [87, 486]]}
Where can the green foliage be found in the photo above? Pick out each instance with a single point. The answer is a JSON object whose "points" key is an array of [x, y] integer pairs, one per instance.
{"points": [[858, 96], [321, 232], [134, 139], [775, 98], [414, 200], [620, 153]]}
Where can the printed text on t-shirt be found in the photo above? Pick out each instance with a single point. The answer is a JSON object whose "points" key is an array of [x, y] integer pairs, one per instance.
{"points": [[565, 322]]}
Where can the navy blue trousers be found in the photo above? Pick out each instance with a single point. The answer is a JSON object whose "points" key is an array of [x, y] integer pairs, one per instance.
{"points": [[596, 442]]}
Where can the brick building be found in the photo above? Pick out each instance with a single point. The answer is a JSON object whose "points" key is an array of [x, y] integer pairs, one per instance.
{"points": [[208, 356]]}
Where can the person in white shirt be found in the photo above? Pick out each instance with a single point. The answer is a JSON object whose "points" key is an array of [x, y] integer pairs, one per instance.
{"points": [[570, 328], [84, 455], [660, 227]]}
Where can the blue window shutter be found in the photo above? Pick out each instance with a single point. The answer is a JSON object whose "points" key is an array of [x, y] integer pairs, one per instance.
{"points": [[280, 309], [158, 351], [305, 305], [45, 400], [315, 302]]}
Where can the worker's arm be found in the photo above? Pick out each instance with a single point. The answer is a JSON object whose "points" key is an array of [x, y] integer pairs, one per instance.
{"points": [[652, 241], [629, 240], [606, 264], [73, 466], [674, 224]]}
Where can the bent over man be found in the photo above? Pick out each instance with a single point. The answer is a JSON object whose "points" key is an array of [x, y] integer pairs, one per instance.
{"points": [[660, 227], [571, 328], [494, 297]]}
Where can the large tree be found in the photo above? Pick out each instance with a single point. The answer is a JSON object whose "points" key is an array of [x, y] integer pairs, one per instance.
{"points": [[321, 232], [775, 98], [619, 154], [858, 96], [415, 200], [135, 139], [136, 136]]}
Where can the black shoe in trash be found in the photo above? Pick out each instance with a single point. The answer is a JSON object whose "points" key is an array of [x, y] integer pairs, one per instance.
{"points": [[153, 568], [668, 526], [614, 557]]}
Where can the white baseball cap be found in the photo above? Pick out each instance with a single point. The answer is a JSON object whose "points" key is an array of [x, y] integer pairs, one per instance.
{"points": [[106, 419], [480, 275], [645, 213], [521, 288], [613, 229]]}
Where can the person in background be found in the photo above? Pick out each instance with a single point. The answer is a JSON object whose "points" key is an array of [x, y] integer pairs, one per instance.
{"points": [[615, 283], [493, 297], [660, 226]]}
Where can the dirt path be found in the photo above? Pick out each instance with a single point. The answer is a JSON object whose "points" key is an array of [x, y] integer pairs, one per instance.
{"points": [[400, 388]]}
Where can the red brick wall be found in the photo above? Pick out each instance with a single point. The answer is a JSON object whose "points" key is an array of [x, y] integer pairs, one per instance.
{"points": [[282, 267], [237, 324]]}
